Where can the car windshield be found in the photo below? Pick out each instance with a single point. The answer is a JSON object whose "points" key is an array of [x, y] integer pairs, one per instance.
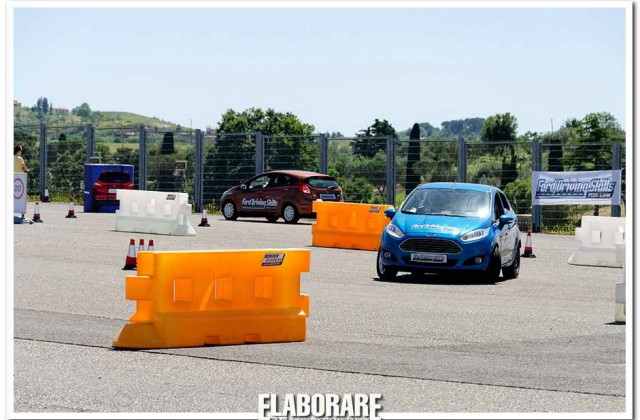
{"points": [[448, 202]]}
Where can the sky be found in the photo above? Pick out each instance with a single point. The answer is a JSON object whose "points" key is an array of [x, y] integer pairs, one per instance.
{"points": [[337, 69]]}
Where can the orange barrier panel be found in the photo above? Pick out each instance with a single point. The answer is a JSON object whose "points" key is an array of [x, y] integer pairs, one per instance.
{"points": [[348, 225], [194, 298]]}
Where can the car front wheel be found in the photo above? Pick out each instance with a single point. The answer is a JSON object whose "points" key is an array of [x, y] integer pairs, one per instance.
{"points": [[229, 211], [513, 270], [385, 273], [492, 272]]}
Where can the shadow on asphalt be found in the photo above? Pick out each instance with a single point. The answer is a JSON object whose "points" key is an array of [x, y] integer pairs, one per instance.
{"points": [[279, 222], [444, 279]]}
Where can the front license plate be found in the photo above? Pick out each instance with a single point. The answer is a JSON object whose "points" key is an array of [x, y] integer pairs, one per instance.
{"points": [[112, 190], [429, 258], [327, 196]]}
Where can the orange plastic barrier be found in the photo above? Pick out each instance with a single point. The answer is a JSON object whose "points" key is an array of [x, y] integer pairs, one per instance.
{"points": [[194, 298], [348, 225]]}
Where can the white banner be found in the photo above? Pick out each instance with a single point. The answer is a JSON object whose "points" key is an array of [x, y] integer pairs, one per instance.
{"points": [[19, 193], [586, 187]]}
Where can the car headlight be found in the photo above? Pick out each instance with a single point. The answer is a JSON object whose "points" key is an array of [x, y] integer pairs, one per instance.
{"points": [[474, 235], [394, 231]]}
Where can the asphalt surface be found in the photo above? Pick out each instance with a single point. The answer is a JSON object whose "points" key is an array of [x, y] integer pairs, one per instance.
{"points": [[543, 342]]}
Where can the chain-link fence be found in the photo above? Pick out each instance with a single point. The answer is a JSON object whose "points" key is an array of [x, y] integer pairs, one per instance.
{"points": [[369, 169], [360, 166], [420, 161]]}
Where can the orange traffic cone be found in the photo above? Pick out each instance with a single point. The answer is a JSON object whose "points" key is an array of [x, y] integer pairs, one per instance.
{"points": [[203, 221], [36, 213], [150, 247], [528, 247], [140, 246], [130, 261], [72, 213]]}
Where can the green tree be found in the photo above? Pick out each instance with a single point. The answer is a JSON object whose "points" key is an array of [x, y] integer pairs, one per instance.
{"points": [[413, 156], [83, 110], [371, 139], [501, 131], [288, 145], [589, 141], [167, 147]]}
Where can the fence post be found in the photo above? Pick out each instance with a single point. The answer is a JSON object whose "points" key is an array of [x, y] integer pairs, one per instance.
{"points": [[616, 163], [43, 160], [536, 211], [142, 158], [198, 176], [90, 139], [259, 153], [324, 153], [391, 171], [462, 160]]}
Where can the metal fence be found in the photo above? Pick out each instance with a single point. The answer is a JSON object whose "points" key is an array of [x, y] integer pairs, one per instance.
{"points": [[369, 169]]}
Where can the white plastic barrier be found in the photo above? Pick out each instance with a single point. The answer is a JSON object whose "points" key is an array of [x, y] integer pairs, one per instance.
{"points": [[598, 237], [165, 213], [620, 315]]}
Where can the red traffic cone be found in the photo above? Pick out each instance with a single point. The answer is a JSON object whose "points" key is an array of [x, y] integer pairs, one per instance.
{"points": [[140, 246], [36, 213], [203, 221], [150, 247], [72, 213], [130, 261], [528, 247]]}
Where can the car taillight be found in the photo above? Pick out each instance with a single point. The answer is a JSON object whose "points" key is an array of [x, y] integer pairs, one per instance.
{"points": [[304, 188]]}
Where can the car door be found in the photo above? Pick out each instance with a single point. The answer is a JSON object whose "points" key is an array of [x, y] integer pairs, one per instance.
{"points": [[501, 231], [512, 231], [275, 191], [252, 198]]}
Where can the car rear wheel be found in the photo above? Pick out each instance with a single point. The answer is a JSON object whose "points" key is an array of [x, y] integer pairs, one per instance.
{"points": [[229, 211], [290, 214], [385, 273], [492, 273], [513, 270]]}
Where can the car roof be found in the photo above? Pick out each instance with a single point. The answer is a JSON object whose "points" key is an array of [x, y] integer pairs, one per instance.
{"points": [[459, 186], [296, 173]]}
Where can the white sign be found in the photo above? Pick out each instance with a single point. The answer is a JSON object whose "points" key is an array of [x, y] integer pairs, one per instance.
{"points": [[586, 187], [19, 193]]}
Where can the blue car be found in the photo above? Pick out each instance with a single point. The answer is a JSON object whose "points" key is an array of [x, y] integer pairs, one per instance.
{"points": [[446, 226]]}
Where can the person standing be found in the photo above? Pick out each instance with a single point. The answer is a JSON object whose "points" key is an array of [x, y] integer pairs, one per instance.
{"points": [[18, 161]]}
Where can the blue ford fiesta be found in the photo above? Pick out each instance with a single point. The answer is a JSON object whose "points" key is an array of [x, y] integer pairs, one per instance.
{"points": [[447, 226]]}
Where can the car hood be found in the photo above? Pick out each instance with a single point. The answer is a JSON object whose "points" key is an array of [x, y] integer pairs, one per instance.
{"points": [[416, 225]]}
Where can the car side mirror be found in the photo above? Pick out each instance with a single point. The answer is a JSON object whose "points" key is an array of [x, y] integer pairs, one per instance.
{"points": [[243, 186], [506, 219], [390, 212]]}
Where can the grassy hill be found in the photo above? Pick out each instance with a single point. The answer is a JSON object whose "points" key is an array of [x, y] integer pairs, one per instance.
{"points": [[101, 119]]}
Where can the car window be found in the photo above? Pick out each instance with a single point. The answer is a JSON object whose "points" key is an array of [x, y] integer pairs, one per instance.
{"points": [[114, 177], [259, 182], [279, 180], [505, 202], [497, 206], [322, 182]]}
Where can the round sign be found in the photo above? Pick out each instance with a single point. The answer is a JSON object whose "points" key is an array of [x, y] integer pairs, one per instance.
{"points": [[18, 188]]}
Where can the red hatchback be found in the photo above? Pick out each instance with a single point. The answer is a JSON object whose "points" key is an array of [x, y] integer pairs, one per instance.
{"points": [[275, 194]]}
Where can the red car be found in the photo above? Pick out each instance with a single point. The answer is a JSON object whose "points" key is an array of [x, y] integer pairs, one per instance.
{"points": [[104, 189], [275, 194]]}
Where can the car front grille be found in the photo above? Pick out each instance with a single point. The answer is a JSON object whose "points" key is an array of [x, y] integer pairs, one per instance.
{"points": [[439, 246]]}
